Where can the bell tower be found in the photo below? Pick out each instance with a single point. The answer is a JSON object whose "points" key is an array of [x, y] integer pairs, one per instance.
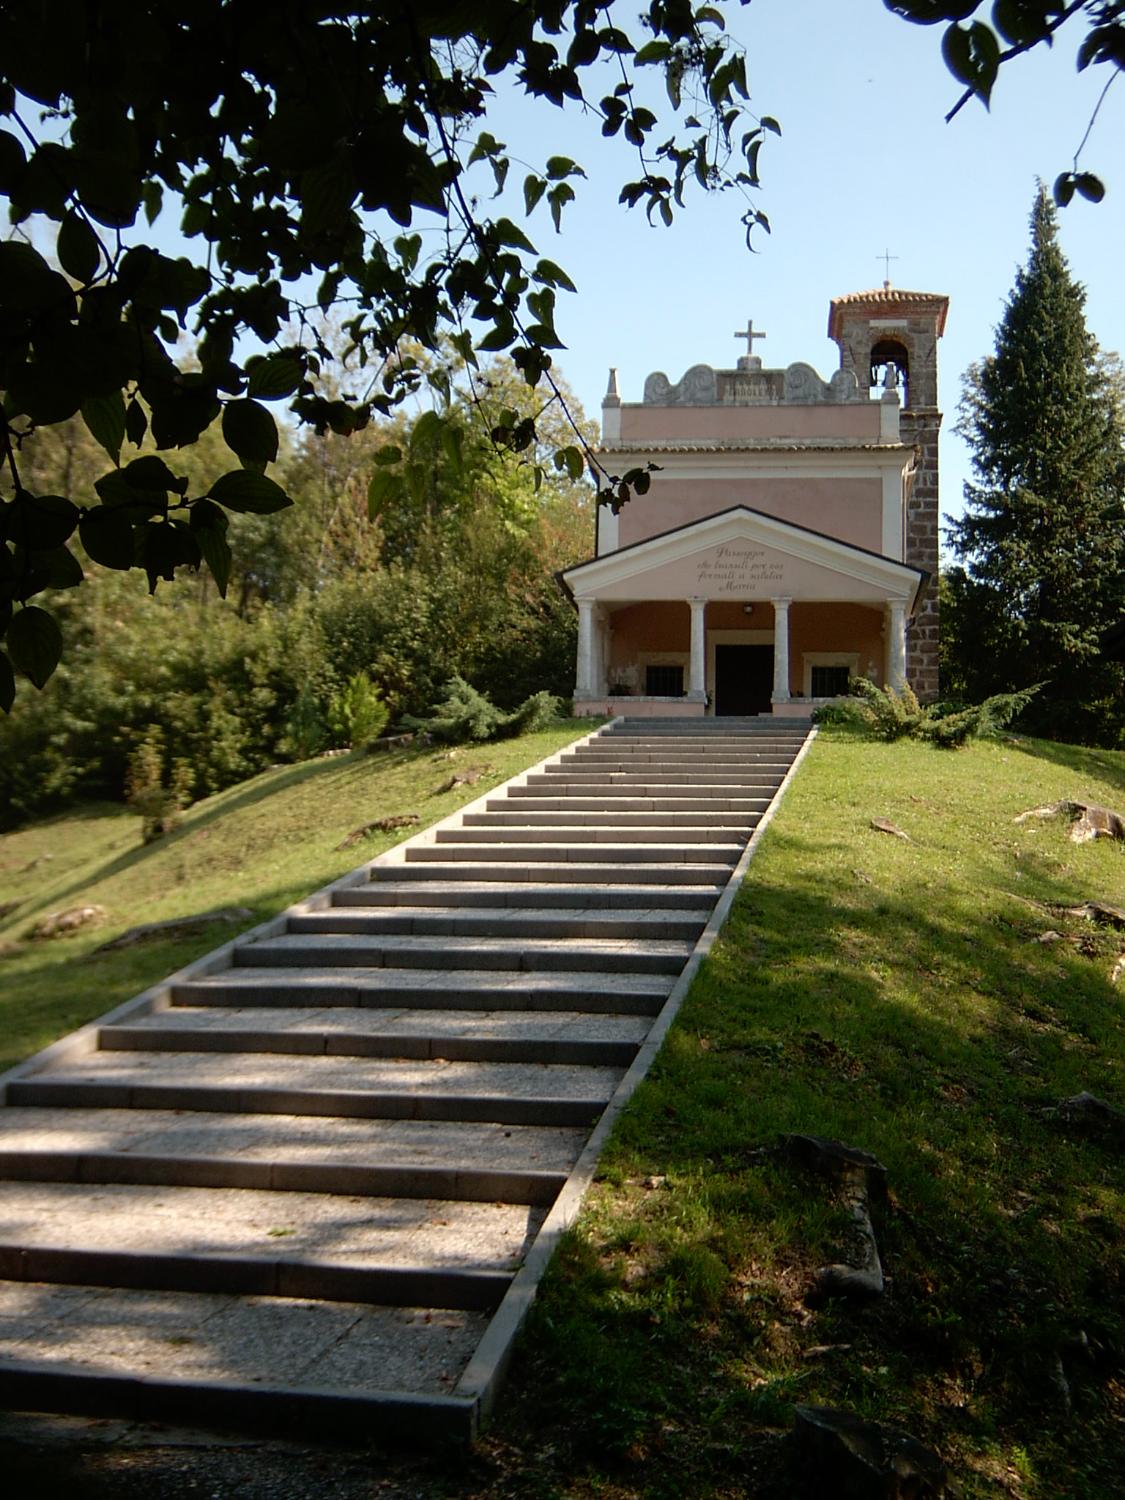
{"points": [[891, 329]]}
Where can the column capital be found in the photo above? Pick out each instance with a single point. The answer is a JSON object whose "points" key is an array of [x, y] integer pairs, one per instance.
{"points": [[782, 602]]}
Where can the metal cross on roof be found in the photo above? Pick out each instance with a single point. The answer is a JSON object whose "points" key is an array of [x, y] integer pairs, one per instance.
{"points": [[749, 335], [886, 258]]}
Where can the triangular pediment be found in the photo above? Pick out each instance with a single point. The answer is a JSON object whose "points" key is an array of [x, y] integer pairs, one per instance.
{"points": [[744, 554]]}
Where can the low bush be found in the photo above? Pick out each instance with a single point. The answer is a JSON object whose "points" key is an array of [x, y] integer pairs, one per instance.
{"points": [[884, 714], [464, 714]]}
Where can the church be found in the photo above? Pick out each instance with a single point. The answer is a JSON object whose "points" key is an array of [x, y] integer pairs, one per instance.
{"points": [[789, 538]]}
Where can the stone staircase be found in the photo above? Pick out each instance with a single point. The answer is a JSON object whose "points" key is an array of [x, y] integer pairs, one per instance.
{"points": [[294, 1186]]}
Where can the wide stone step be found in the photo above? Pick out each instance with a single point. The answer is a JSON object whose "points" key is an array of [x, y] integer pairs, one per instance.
{"points": [[541, 1094], [323, 950], [575, 804], [354, 1042], [389, 1178], [467, 895], [612, 833], [700, 775], [59, 1230], [473, 991], [554, 813], [553, 872], [607, 761], [555, 786], [295, 1365], [453, 1159], [502, 922], [622, 853]]}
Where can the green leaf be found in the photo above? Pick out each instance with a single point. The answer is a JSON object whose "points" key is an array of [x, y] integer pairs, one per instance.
{"points": [[41, 522], [136, 423], [507, 234], [553, 275], [34, 643], [241, 490], [206, 515], [104, 417], [426, 430], [973, 56], [12, 161], [383, 485], [1063, 190], [216, 552], [571, 460], [1091, 188], [77, 248], [274, 377], [108, 536], [561, 194], [533, 189], [152, 196], [164, 547], [7, 683], [250, 431], [387, 455], [499, 338], [45, 391], [152, 473], [60, 569]]}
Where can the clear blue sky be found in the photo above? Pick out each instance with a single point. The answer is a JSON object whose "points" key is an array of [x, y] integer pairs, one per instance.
{"points": [[865, 163]]}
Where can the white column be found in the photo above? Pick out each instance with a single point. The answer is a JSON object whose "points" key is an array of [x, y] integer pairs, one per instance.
{"points": [[697, 686], [600, 651], [896, 645], [781, 650], [584, 683]]}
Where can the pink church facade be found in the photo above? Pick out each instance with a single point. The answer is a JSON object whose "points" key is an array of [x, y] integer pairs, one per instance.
{"points": [[789, 536]]}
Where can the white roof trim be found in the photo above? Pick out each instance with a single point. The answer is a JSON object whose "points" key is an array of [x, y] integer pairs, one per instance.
{"points": [[890, 579]]}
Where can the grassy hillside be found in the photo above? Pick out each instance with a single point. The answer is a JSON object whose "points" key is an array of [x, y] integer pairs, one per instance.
{"points": [[897, 996], [260, 845], [904, 996]]}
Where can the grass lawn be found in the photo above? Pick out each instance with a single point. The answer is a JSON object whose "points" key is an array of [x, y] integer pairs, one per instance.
{"points": [[892, 994], [261, 845]]}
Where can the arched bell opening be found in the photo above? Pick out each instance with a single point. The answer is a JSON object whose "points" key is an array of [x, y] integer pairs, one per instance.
{"points": [[890, 354]]}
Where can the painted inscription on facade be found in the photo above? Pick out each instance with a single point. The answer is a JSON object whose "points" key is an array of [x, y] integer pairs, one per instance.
{"points": [[740, 569]]}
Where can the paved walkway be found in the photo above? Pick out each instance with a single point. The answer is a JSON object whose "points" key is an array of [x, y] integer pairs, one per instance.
{"points": [[294, 1187]]}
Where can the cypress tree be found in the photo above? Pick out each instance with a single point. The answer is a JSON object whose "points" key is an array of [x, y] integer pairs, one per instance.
{"points": [[1043, 535]]}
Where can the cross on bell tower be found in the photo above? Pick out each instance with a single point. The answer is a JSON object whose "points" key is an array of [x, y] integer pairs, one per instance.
{"points": [[886, 258], [749, 360]]}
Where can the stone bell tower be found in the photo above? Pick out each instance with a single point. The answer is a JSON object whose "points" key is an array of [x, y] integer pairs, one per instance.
{"points": [[891, 330]]}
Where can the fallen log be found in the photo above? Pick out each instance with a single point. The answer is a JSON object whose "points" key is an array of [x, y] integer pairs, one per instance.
{"points": [[175, 927], [1088, 820], [378, 825]]}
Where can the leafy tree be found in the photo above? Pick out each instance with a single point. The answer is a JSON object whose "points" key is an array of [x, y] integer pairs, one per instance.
{"points": [[975, 52], [322, 157], [1043, 533]]}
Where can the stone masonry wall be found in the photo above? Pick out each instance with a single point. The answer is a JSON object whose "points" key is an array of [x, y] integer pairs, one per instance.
{"points": [[921, 429]]}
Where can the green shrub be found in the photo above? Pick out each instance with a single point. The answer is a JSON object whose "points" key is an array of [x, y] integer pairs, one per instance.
{"points": [[305, 730], [357, 714], [464, 714], [882, 713], [885, 714], [157, 795]]}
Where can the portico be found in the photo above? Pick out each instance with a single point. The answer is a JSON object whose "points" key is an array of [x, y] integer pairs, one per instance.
{"points": [[739, 612]]}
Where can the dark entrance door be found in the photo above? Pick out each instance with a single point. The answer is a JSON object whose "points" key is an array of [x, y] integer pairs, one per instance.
{"points": [[743, 679]]}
